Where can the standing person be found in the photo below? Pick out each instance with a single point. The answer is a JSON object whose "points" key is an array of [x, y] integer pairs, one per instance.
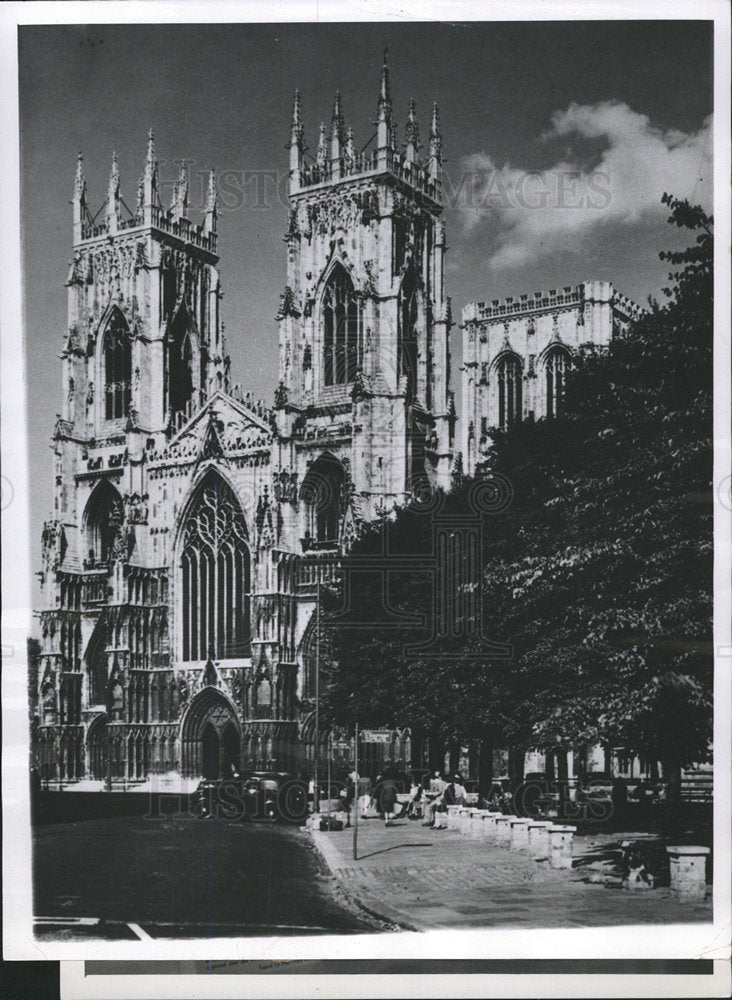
{"points": [[461, 793], [349, 797], [375, 803], [444, 799], [388, 798], [416, 803]]}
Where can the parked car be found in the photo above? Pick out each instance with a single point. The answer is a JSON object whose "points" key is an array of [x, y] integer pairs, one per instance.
{"points": [[269, 795], [223, 798]]}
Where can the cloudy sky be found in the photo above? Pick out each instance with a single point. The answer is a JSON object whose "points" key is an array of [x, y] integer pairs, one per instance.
{"points": [[560, 138]]}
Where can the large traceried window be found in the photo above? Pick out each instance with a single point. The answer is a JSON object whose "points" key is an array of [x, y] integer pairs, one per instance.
{"points": [[341, 330], [408, 332], [509, 391], [117, 368], [180, 363], [556, 367], [215, 576]]}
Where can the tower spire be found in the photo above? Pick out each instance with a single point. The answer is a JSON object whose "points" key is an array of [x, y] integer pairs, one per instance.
{"points": [[79, 199], [336, 135], [349, 149], [336, 122], [179, 204], [150, 179], [321, 154], [212, 203], [79, 181], [435, 162], [295, 146], [412, 134], [113, 197], [383, 124], [150, 163]]}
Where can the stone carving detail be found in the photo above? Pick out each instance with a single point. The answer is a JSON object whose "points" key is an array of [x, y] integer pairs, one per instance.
{"points": [[137, 508], [343, 212], [216, 520], [53, 541], [285, 487], [369, 285], [287, 304]]}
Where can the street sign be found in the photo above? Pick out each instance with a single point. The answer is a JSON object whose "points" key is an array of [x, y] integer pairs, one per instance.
{"points": [[376, 735]]}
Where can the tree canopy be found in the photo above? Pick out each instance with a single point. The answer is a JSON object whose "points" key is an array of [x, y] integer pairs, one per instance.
{"points": [[598, 574]]}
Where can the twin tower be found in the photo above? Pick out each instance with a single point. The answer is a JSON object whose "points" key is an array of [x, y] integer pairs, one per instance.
{"points": [[193, 523]]}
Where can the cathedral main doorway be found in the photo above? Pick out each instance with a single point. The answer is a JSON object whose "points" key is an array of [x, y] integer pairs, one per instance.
{"points": [[210, 737]]}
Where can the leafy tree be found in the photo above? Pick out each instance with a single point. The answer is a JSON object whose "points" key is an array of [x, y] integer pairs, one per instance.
{"points": [[599, 574]]}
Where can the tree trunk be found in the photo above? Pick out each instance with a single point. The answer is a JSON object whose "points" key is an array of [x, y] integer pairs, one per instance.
{"points": [[516, 757], [454, 758], [549, 766], [416, 762], [672, 779], [562, 782], [580, 763], [436, 754], [485, 767]]}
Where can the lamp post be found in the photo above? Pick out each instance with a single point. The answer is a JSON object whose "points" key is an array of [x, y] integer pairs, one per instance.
{"points": [[316, 789], [355, 812], [330, 751]]}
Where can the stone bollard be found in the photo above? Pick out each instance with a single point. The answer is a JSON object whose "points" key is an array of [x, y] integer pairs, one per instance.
{"points": [[463, 821], [688, 873], [476, 823], [455, 819], [488, 830], [538, 837], [452, 814], [560, 846], [503, 829], [520, 834]]}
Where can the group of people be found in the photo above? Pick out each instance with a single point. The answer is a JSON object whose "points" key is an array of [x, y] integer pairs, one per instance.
{"points": [[435, 795], [427, 797]]}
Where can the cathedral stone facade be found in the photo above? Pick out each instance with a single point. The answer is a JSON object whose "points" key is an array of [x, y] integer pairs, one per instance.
{"points": [[517, 352], [192, 523]]}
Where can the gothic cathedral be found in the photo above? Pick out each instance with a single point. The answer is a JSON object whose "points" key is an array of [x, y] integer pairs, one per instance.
{"points": [[192, 522]]}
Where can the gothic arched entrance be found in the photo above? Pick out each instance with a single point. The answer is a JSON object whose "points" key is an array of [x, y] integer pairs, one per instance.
{"points": [[98, 748], [210, 736]]}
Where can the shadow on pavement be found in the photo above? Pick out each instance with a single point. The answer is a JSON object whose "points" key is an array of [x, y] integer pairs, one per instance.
{"points": [[394, 847]]}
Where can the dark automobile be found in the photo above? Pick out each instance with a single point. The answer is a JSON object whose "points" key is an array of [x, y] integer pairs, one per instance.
{"points": [[275, 795], [269, 795], [221, 799]]}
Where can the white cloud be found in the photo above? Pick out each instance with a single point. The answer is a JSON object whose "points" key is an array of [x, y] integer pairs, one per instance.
{"points": [[542, 212]]}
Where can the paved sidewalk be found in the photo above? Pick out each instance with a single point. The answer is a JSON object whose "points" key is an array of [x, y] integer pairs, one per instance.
{"points": [[419, 878]]}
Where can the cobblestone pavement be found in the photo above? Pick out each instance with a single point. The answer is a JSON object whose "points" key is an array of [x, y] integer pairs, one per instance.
{"points": [[421, 878]]}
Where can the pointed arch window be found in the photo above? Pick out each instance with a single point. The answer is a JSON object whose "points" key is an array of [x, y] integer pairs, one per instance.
{"points": [[97, 675], [215, 576], [180, 363], [556, 367], [322, 493], [104, 518], [117, 368], [408, 332], [341, 329], [509, 391]]}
